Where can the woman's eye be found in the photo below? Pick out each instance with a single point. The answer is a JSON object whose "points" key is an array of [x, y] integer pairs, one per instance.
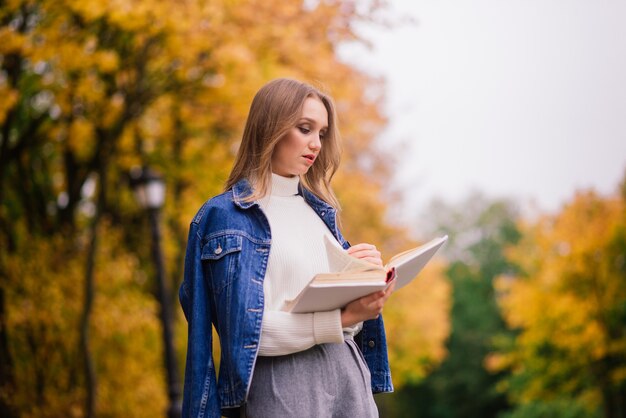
{"points": [[304, 129], [322, 135]]}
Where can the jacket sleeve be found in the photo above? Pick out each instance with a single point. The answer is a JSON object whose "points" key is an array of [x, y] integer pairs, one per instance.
{"points": [[200, 387]]}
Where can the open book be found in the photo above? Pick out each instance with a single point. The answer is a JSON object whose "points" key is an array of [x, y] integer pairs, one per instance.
{"points": [[356, 278]]}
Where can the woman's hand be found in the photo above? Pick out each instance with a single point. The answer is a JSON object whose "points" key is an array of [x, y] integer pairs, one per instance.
{"points": [[367, 252], [367, 307], [370, 306]]}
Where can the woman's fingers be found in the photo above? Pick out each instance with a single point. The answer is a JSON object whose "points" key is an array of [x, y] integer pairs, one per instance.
{"points": [[372, 297], [361, 247], [377, 299], [367, 252], [374, 260], [367, 307], [363, 252]]}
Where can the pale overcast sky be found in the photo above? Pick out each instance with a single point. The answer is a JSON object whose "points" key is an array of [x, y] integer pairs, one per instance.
{"points": [[517, 98]]}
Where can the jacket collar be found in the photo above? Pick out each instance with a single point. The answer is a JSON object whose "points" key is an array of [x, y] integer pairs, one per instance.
{"points": [[243, 189], [315, 202]]}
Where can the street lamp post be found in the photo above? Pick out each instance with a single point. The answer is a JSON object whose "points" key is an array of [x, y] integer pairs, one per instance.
{"points": [[149, 189]]}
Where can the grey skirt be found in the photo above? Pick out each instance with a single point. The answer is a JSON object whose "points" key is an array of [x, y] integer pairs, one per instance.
{"points": [[327, 380]]}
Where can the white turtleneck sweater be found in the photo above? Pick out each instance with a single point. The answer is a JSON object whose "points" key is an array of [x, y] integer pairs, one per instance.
{"points": [[296, 255]]}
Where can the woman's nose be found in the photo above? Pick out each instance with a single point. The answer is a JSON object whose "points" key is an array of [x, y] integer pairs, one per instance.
{"points": [[316, 143]]}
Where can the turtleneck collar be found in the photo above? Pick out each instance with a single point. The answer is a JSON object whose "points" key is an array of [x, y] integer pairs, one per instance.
{"points": [[284, 186]]}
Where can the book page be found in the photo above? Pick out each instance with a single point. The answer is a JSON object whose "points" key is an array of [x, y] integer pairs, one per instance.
{"points": [[409, 263], [340, 261], [353, 278], [408, 255]]}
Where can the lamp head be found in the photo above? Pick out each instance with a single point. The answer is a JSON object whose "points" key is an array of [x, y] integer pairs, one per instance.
{"points": [[149, 187]]}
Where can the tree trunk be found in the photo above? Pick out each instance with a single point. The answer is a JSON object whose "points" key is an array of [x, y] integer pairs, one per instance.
{"points": [[7, 378], [90, 375], [89, 292]]}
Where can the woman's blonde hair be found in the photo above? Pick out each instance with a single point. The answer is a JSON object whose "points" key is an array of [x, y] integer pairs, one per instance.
{"points": [[275, 109]]}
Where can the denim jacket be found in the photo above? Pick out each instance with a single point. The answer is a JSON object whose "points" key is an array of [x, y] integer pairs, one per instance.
{"points": [[225, 263]]}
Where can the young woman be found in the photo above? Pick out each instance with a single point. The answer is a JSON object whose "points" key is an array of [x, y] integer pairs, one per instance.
{"points": [[257, 245]]}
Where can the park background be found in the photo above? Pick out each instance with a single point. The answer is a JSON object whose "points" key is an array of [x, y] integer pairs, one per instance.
{"points": [[523, 316]]}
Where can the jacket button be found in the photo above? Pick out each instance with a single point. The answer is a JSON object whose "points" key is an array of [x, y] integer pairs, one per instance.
{"points": [[323, 213], [371, 344], [218, 250]]}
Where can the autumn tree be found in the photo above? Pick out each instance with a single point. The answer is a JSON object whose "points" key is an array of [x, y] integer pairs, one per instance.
{"points": [[79, 81], [479, 230], [569, 310], [89, 90]]}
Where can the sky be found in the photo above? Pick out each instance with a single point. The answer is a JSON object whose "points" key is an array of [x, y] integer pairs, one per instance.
{"points": [[522, 99]]}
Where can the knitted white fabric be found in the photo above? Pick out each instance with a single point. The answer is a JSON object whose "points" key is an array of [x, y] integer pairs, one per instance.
{"points": [[296, 255]]}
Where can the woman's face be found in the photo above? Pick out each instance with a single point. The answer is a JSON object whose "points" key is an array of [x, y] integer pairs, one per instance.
{"points": [[297, 151]]}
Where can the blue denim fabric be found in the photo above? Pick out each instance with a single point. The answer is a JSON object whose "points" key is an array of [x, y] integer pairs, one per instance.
{"points": [[225, 263]]}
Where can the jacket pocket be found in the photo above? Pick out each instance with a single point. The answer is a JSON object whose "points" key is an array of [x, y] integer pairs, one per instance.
{"points": [[221, 253]]}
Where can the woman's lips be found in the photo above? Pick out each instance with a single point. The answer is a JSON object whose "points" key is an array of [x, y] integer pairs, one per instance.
{"points": [[310, 158]]}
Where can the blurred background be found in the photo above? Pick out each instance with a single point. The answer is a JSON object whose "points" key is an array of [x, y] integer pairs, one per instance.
{"points": [[498, 123]]}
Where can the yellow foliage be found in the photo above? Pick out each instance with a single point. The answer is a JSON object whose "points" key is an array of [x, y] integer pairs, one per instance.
{"points": [[45, 296], [169, 83], [8, 99], [37, 313], [107, 61], [571, 340], [127, 336], [417, 325], [11, 41], [80, 138]]}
